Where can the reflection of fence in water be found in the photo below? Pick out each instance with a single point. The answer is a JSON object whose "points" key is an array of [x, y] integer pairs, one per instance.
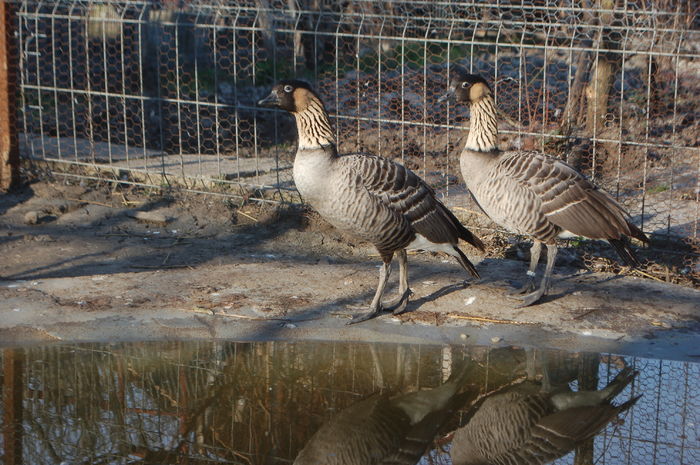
{"points": [[254, 402]]}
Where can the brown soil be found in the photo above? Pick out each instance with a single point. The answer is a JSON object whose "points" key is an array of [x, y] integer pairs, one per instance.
{"points": [[77, 264]]}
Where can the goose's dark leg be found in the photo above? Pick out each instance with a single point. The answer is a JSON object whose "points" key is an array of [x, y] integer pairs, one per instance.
{"points": [[529, 286], [398, 305], [533, 297], [376, 308]]}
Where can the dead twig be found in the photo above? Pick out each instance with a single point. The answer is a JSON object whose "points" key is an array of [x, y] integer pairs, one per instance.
{"points": [[102, 204], [149, 236], [156, 320], [155, 267], [462, 209], [588, 312], [647, 275], [248, 216], [482, 319], [129, 202], [234, 315], [178, 241]]}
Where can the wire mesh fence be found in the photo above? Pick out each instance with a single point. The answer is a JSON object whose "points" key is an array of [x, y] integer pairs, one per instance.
{"points": [[163, 93], [255, 403]]}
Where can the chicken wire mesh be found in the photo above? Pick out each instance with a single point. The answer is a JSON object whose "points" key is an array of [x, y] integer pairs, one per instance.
{"points": [[164, 93], [255, 403]]}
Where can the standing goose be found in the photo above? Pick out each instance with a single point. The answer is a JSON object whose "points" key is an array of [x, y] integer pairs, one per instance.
{"points": [[376, 199], [525, 425], [531, 193]]}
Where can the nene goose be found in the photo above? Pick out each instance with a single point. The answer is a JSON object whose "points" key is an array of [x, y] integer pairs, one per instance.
{"points": [[376, 199], [386, 429], [531, 193], [525, 426]]}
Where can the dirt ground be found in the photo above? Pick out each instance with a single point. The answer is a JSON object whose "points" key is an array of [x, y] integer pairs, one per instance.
{"points": [[105, 263]]}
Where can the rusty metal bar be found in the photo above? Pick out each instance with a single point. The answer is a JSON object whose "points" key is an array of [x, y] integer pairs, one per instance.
{"points": [[9, 152]]}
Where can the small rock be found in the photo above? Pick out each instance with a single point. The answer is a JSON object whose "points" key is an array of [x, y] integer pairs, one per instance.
{"points": [[150, 217], [31, 217], [469, 300], [463, 337], [496, 339]]}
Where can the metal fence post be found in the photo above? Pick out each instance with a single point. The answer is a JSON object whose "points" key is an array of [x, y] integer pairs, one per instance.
{"points": [[9, 152]]}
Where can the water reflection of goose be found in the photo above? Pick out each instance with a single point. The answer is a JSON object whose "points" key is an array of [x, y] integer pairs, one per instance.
{"points": [[525, 425], [385, 429]]}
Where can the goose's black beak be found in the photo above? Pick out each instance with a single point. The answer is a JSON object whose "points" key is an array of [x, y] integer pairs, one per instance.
{"points": [[271, 101], [448, 96]]}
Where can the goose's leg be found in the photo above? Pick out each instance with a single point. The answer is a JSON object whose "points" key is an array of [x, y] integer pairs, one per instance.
{"points": [[376, 308], [533, 297], [398, 305], [529, 286]]}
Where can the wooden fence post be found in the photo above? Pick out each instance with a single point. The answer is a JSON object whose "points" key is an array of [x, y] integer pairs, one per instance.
{"points": [[12, 393], [9, 150]]}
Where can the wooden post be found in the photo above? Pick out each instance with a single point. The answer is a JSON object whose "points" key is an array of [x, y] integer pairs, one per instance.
{"points": [[587, 381], [12, 389], [600, 85], [9, 152]]}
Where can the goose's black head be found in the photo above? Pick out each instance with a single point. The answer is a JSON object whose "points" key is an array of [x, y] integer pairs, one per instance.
{"points": [[466, 88], [289, 94]]}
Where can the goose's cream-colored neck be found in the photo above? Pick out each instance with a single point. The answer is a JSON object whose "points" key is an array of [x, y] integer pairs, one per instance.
{"points": [[313, 125], [483, 126]]}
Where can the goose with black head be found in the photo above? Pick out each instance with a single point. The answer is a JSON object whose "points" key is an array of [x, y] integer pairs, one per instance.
{"points": [[532, 193], [375, 199]]}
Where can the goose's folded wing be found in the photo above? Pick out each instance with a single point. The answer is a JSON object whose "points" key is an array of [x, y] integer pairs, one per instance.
{"points": [[567, 198], [401, 190]]}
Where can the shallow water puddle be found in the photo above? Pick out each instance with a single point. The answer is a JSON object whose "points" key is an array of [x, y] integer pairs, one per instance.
{"points": [[340, 403]]}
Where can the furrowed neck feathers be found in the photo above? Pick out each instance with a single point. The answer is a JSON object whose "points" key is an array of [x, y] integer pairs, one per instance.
{"points": [[314, 127], [483, 126]]}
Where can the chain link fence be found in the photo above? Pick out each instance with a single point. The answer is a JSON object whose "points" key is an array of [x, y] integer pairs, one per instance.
{"points": [[259, 403], [162, 93]]}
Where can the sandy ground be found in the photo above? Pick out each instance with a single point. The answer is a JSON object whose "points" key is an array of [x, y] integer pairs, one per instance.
{"points": [[79, 263]]}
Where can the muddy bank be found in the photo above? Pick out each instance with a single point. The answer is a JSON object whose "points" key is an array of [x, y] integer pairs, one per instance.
{"points": [[81, 264]]}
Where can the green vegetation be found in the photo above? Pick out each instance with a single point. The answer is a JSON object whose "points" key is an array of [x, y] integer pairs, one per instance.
{"points": [[207, 79], [657, 189]]}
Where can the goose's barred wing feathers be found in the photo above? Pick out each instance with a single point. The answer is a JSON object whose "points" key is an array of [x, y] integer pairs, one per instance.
{"points": [[567, 198], [409, 196], [517, 429]]}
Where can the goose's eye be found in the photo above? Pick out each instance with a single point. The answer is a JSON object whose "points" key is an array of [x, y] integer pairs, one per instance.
{"points": [[465, 84], [287, 88]]}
